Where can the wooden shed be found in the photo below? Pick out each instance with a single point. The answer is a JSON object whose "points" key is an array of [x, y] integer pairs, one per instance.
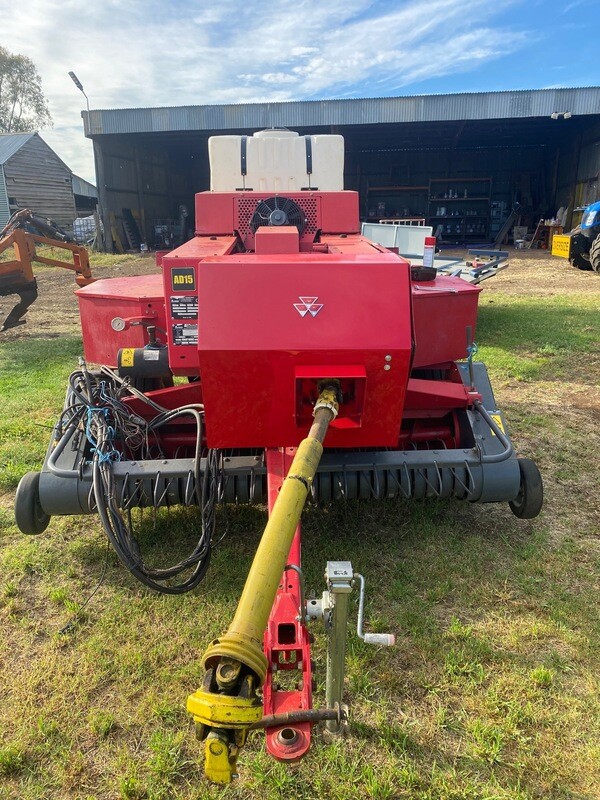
{"points": [[33, 176]]}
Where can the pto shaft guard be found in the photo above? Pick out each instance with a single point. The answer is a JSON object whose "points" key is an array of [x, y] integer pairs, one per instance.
{"points": [[227, 705]]}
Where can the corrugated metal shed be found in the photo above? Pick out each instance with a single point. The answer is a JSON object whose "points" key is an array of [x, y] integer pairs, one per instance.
{"points": [[10, 143], [364, 111], [84, 188]]}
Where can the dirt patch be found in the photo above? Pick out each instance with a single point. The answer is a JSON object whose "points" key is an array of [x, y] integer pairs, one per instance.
{"points": [[56, 310], [536, 273]]}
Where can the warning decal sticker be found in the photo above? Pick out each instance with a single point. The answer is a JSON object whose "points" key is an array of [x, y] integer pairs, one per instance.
{"points": [[127, 356], [498, 420]]}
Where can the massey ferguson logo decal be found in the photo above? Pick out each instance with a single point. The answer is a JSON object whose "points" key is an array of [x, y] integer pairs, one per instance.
{"points": [[308, 305]]}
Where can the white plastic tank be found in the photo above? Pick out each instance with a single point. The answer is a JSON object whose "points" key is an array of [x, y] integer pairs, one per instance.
{"points": [[276, 161]]}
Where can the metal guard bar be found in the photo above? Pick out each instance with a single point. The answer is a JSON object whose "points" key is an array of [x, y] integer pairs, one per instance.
{"points": [[444, 474]]}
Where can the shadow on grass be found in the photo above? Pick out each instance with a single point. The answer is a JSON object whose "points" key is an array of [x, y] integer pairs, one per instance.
{"points": [[451, 542]]}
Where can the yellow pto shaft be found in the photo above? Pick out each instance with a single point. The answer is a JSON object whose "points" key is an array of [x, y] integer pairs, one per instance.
{"points": [[227, 704]]}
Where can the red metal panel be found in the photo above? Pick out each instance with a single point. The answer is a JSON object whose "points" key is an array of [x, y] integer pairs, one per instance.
{"points": [[214, 213], [339, 212], [134, 300], [442, 310], [262, 317], [181, 298], [181, 308], [283, 239], [225, 212], [352, 245], [433, 397], [201, 247]]}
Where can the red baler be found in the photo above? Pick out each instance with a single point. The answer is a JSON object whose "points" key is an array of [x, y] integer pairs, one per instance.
{"points": [[276, 311]]}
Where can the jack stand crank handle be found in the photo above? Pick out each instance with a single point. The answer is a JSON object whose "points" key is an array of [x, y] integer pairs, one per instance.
{"points": [[339, 577], [384, 639]]}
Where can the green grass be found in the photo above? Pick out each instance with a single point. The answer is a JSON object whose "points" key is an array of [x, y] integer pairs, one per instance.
{"points": [[33, 376], [97, 259], [537, 339], [492, 691]]}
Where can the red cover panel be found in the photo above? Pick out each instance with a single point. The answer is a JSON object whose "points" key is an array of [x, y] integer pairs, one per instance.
{"points": [[260, 318], [138, 300]]}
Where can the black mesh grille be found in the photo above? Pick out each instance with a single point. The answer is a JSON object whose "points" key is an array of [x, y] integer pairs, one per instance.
{"points": [[246, 206]]}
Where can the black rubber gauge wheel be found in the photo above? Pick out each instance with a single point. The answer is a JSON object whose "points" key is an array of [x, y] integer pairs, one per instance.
{"points": [[528, 503], [29, 514]]}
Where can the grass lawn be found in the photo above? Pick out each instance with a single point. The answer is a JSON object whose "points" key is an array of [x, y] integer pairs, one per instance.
{"points": [[493, 689]]}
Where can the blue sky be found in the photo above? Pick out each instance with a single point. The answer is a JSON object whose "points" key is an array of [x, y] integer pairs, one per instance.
{"points": [[131, 53]]}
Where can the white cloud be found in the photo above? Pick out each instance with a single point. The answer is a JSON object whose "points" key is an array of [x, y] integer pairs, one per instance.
{"points": [[575, 4], [132, 53]]}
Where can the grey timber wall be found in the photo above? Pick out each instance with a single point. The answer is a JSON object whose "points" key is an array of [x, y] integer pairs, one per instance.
{"points": [[36, 178]]}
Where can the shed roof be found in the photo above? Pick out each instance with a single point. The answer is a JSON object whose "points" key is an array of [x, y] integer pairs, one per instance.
{"points": [[83, 187], [10, 143], [361, 111]]}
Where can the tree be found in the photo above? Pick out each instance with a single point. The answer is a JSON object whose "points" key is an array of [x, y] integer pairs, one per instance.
{"points": [[23, 106]]}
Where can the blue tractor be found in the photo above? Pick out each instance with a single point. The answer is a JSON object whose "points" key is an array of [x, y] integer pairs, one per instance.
{"points": [[584, 252]]}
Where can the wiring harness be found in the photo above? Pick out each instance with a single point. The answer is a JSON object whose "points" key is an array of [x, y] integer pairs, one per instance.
{"points": [[115, 432]]}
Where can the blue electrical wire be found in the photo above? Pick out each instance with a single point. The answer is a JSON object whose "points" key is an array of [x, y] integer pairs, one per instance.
{"points": [[472, 350], [104, 455]]}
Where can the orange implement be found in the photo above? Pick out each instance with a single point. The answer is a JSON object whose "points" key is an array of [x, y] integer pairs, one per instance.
{"points": [[17, 277]]}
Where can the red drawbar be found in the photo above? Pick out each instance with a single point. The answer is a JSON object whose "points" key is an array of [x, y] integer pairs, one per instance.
{"points": [[286, 642]]}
